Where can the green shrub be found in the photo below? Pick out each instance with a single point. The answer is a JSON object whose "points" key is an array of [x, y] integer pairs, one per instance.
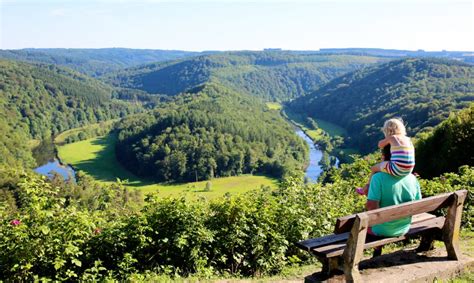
{"points": [[56, 230]]}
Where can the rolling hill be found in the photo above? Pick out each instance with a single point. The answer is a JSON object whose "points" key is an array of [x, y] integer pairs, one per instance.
{"points": [[94, 62], [210, 131], [271, 75], [39, 100], [421, 91]]}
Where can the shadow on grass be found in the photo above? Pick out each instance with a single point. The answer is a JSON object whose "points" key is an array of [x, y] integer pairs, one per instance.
{"points": [[105, 167]]}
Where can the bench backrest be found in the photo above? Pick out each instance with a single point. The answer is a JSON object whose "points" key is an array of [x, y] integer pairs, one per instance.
{"points": [[389, 213]]}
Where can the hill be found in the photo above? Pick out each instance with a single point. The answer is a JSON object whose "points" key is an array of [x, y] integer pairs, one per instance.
{"points": [[448, 146], [421, 91], [465, 56], [272, 75], [210, 132], [94, 62], [39, 101]]}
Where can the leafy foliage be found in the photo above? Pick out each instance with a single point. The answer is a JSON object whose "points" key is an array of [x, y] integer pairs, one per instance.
{"points": [[92, 232], [39, 101], [448, 146], [270, 75], [421, 91], [211, 132]]}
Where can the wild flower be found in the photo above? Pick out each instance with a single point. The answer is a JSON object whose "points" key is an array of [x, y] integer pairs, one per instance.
{"points": [[15, 222]]}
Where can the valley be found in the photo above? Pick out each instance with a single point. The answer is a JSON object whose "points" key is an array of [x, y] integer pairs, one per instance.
{"points": [[96, 158], [208, 164]]}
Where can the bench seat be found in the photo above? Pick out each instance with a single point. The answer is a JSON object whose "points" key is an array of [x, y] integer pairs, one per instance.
{"points": [[427, 226], [344, 249], [334, 244]]}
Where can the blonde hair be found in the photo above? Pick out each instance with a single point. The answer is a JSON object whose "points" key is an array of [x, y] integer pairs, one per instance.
{"points": [[394, 127]]}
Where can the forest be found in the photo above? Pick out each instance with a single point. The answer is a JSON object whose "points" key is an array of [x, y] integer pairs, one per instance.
{"points": [[206, 133], [448, 146], [270, 75], [420, 91], [40, 101], [93, 62]]}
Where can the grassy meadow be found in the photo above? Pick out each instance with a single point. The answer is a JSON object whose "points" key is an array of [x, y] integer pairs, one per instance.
{"points": [[274, 105], [330, 128], [96, 157]]}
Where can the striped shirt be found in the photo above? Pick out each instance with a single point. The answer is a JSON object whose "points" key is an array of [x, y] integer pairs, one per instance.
{"points": [[402, 161]]}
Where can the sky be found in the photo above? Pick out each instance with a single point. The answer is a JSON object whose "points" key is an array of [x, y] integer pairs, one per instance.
{"points": [[238, 25]]}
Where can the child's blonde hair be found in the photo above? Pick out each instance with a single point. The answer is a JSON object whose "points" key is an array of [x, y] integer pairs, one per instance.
{"points": [[394, 127]]}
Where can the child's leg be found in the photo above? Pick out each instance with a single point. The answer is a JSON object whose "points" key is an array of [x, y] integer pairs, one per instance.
{"points": [[374, 169]]}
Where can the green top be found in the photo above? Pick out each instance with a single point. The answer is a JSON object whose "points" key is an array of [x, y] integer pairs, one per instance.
{"points": [[390, 190]]}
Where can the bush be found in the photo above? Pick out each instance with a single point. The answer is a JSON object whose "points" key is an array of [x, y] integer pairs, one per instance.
{"points": [[53, 231]]}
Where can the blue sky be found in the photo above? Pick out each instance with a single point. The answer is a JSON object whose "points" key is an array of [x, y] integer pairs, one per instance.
{"points": [[238, 25]]}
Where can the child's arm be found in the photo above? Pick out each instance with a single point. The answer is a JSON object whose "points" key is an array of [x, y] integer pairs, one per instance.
{"points": [[384, 142]]}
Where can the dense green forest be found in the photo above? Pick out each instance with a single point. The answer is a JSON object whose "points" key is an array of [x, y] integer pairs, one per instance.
{"points": [[210, 132], [272, 75], [39, 101], [94, 62], [448, 146], [421, 91]]}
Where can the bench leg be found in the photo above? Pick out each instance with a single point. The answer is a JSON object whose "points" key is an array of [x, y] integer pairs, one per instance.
{"points": [[426, 243], [329, 265], [452, 225], [355, 248]]}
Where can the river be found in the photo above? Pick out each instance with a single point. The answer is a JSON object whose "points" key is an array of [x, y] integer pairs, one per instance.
{"points": [[314, 170], [46, 156], [54, 166]]}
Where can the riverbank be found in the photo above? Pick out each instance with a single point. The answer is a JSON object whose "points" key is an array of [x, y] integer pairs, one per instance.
{"points": [[330, 137], [318, 138]]}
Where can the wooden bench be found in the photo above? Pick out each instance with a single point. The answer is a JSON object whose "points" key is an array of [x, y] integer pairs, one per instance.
{"points": [[344, 249]]}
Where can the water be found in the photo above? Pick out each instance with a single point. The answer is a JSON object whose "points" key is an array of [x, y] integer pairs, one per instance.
{"points": [[54, 166], [314, 170]]}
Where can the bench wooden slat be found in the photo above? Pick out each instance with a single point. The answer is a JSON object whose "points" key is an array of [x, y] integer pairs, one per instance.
{"points": [[310, 244], [386, 214], [389, 213], [422, 217], [321, 241], [418, 228]]}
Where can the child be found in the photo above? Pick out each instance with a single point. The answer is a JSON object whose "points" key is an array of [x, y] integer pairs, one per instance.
{"points": [[402, 160]]}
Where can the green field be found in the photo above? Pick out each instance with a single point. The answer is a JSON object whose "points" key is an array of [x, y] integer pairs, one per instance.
{"points": [[330, 128], [274, 106], [96, 157]]}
